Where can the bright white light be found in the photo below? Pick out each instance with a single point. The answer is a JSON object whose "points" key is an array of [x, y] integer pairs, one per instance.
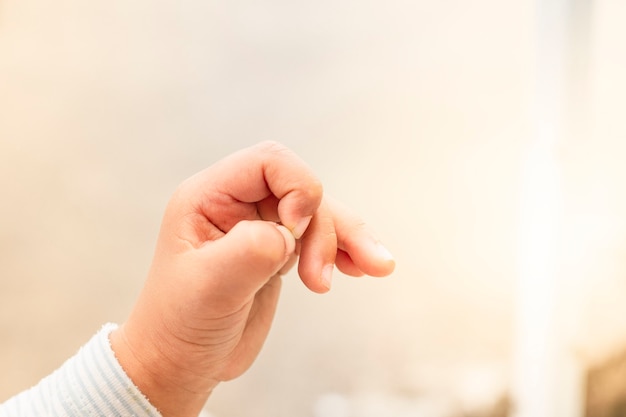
{"points": [[535, 347], [545, 380]]}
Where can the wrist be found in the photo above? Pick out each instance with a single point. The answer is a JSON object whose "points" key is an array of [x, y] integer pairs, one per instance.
{"points": [[169, 382]]}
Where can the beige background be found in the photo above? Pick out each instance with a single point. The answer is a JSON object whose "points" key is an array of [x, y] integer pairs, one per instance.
{"points": [[416, 113]]}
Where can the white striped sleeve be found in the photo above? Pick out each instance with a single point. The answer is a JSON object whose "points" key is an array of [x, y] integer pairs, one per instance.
{"points": [[91, 383]]}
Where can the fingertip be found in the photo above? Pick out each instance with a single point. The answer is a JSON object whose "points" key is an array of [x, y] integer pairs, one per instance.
{"points": [[383, 253], [290, 240], [301, 226], [261, 246], [297, 208], [386, 263], [316, 275], [318, 280], [383, 269], [371, 256]]}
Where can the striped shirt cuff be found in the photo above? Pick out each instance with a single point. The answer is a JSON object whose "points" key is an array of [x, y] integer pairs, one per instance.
{"points": [[91, 383]]}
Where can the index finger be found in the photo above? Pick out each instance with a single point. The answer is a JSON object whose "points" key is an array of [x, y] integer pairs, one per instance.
{"points": [[250, 176]]}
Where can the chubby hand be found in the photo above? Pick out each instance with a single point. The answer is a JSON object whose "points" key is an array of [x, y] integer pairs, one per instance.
{"points": [[228, 234]]}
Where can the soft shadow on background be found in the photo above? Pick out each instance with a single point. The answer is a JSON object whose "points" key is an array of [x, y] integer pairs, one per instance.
{"points": [[417, 114]]}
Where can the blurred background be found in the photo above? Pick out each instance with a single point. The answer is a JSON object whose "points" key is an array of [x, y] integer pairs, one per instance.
{"points": [[510, 289]]}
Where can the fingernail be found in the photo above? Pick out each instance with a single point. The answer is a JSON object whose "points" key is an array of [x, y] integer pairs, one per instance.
{"points": [[383, 252], [301, 227], [290, 242], [327, 276]]}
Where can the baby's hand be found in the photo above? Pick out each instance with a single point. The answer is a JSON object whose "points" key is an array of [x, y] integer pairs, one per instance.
{"points": [[228, 234]]}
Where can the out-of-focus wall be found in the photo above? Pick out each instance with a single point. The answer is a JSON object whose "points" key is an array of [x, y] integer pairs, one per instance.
{"points": [[415, 113]]}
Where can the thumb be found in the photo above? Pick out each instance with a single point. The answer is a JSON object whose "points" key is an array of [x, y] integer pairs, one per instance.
{"points": [[241, 262]]}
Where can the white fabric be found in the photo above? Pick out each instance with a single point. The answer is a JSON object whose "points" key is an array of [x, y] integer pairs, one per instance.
{"points": [[91, 383]]}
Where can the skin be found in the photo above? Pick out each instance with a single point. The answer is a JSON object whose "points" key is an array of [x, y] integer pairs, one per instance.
{"points": [[227, 236]]}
